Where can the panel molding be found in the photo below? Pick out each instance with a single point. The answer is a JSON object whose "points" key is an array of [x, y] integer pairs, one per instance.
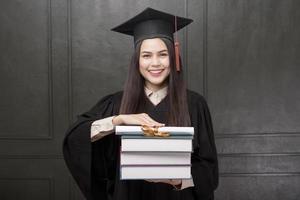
{"points": [[219, 155], [69, 64], [31, 157], [50, 72], [258, 174], [245, 135], [74, 191], [263, 144], [50, 134], [50, 181], [258, 154], [70, 190], [205, 51]]}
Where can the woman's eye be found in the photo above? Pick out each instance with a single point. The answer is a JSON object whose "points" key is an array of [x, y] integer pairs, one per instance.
{"points": [[146, 56], [163, 54]]}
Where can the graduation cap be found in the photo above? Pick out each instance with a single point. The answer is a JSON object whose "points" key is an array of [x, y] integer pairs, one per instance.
{"points": [[152, 23]]}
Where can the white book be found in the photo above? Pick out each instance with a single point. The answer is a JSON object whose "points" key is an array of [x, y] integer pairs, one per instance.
{"points": [[156, 145], [155, 172], [136, 130], [158, 158]]}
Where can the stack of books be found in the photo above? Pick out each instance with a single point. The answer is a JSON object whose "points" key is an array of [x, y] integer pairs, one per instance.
{"points": [[152, 157]]}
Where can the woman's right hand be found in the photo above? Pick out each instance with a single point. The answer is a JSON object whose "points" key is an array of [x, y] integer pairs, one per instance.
{"points": [[135, 119]]}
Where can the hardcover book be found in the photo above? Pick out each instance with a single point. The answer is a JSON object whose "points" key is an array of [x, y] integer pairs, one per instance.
{"points": [[155, 158], [155, 153], [155, 172], [137, 130]]}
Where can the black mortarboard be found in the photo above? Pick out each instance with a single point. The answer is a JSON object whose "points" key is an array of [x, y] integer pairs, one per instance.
{"points": [[152, 23]]}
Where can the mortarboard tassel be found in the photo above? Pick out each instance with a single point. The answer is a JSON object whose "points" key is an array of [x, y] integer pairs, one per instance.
{"points": [[176, 44]]}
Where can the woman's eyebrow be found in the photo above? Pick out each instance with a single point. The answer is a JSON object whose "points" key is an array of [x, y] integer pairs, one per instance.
{"points": [[158, 51], [146, 52], [162, 51]]}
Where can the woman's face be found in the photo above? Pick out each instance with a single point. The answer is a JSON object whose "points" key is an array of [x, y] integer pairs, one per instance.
{"points": [[154, 63]]}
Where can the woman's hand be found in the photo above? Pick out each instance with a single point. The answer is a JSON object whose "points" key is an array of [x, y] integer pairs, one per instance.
{"points": [[174, 182], [135, 119]]}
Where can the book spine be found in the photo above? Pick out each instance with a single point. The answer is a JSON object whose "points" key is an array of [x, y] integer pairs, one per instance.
{"points": [[169, 172], [136, 130], [148, 145], [187, 137], [156, 165]]}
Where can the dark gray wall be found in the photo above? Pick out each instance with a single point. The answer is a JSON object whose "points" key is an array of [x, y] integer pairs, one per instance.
{"points": [[59, 57]]}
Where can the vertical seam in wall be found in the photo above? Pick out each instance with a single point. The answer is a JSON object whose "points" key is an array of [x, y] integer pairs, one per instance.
{"points": [[186, 43], [52, 188], [70, 189], [205, 70], [50, 70], [69, 42]]}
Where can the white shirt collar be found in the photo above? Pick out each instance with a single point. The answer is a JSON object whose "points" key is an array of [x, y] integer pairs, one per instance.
{"points": [[158, 96], [161, 92]]}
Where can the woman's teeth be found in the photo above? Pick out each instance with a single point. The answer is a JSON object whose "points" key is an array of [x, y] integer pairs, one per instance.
{"points": [[156, 71]]}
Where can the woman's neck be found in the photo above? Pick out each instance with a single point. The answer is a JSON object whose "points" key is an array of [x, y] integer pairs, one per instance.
{"points": [[155, 88]]}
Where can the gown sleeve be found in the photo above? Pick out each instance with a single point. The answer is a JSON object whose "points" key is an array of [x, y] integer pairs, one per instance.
{"points": [[204, 156], [77, 149]]}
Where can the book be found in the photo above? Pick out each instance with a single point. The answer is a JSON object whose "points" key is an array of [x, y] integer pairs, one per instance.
{"points": [[136, 130], [156, 158], [155, 172], [186, 137], [156, 145]]}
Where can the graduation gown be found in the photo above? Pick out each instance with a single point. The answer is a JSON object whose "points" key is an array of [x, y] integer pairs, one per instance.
{"points": [[95, 166]]}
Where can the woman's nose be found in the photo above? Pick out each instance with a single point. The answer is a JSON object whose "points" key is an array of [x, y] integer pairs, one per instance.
{"points": [[155, 61]]}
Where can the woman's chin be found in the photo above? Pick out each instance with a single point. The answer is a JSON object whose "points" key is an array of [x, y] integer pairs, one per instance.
{"points": [[155, 83]]}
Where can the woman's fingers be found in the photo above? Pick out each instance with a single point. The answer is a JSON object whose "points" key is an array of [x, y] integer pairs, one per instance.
{"points": [[151, 121], [158, 180], [173, 182], [140, 119]]}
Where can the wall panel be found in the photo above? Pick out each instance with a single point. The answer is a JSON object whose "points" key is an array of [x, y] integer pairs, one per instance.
{"points": [[26, 70], [252, 81], [256, 187]]}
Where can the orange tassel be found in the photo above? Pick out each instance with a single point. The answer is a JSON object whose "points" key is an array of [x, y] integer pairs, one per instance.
{"points": [[176, 44], [177, 60]]}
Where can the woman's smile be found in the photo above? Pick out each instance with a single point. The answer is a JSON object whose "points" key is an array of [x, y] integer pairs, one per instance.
{"points": [[156, 72]]}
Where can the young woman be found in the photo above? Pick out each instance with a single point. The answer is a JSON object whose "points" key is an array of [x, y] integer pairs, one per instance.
{"points": [[155, 95]]}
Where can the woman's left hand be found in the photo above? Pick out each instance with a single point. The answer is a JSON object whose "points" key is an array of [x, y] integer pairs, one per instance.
{"points": [[174, 182]]}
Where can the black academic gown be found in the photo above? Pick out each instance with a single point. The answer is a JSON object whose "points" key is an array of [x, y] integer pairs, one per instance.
{"points": [[95, 166]]}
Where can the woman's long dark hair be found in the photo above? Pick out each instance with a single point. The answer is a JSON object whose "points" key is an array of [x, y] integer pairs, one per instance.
{"points": [[134, 96]]}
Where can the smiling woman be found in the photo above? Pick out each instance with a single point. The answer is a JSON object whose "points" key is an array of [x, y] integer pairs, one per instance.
{"points": [[154, 63], [155, 94]]}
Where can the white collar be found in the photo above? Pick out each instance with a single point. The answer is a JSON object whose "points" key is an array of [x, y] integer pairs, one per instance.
{"points": [[159, 93]]}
